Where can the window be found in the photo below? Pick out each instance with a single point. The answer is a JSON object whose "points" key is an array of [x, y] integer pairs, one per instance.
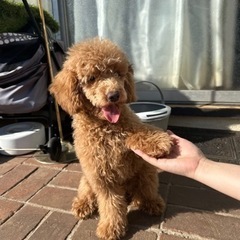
{"points": [[189, 48]]}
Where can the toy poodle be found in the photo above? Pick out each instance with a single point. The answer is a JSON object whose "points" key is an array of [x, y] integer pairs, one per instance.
{"points": [[94, 87]]}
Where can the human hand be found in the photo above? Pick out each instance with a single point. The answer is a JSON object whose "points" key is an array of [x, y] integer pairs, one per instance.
{"points": [[183, 159]]}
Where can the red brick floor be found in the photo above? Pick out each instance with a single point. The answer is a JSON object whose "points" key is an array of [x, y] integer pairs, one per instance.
{"points": [[35, 202]]}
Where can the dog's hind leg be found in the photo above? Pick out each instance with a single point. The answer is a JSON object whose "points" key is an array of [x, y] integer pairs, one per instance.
{"points": [[85, 203], [146, 196], [113, 214]]}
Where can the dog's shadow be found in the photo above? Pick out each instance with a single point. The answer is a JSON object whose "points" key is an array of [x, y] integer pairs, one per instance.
{"points": [[139, 222], [187, 199], [183, 198], [183, 202]]}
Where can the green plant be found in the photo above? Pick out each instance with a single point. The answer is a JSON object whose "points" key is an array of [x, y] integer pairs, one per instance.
{"points": [[14, 17]]}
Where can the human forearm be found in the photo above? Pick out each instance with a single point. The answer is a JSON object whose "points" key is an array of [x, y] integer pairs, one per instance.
{"points": [[223, 177]]}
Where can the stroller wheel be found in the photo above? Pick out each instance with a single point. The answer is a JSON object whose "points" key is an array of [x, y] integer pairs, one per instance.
{"points": [[54, 148]]}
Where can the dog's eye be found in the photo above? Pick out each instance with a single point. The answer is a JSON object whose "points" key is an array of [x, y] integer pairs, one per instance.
{"points": [[117, 74], [91, 79]]}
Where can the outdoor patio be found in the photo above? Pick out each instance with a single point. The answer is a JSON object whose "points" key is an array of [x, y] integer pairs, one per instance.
{"points": [[35, 199]]}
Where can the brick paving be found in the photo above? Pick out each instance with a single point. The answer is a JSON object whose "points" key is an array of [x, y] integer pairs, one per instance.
{"points": [[35, 200]]}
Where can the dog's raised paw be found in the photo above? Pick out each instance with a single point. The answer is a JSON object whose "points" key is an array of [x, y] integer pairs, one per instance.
{"points": [[154, 143]]}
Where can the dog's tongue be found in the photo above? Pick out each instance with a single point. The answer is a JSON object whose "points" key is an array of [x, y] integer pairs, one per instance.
{"points": [[111, 113]]}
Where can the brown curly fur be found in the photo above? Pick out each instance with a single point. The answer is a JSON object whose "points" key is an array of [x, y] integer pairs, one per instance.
{"points": [[111, 171]]}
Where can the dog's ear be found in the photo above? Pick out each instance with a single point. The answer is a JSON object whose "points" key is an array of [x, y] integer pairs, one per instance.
{"points": [[130, 86], [65, 90]]}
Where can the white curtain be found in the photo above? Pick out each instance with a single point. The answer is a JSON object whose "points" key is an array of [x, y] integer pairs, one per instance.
{"points": [[177, 44]]}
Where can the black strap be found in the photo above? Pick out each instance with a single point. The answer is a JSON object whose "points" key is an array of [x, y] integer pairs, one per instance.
{"points": [[34, 23], [38, 31]]}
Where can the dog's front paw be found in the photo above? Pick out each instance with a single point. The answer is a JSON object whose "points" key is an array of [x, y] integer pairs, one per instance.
{"points": [[111, 230], [153, 143], [83, 208]]}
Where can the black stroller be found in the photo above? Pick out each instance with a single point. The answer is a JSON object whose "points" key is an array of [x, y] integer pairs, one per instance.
{"points": [[24, 80]]}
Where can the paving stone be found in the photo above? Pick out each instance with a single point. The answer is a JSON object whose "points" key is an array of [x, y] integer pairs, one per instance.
{"points": [[164, 177], [194, 211], [13, 177], [53, 197], [5, 159], [137, 234], [184, 181], [13, 159], [141, 219], [29, 186], [22, 223], [204, 199], [56, 226], [74, 166], [34, 162], [7, 166], [8, 208], [163, 190], [203, 224], [4, 168], [86, 230], [67, 179], [170, 237]]}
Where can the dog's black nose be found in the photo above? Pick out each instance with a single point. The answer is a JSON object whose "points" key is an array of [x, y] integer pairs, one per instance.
{"points": [[113, 96]]}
